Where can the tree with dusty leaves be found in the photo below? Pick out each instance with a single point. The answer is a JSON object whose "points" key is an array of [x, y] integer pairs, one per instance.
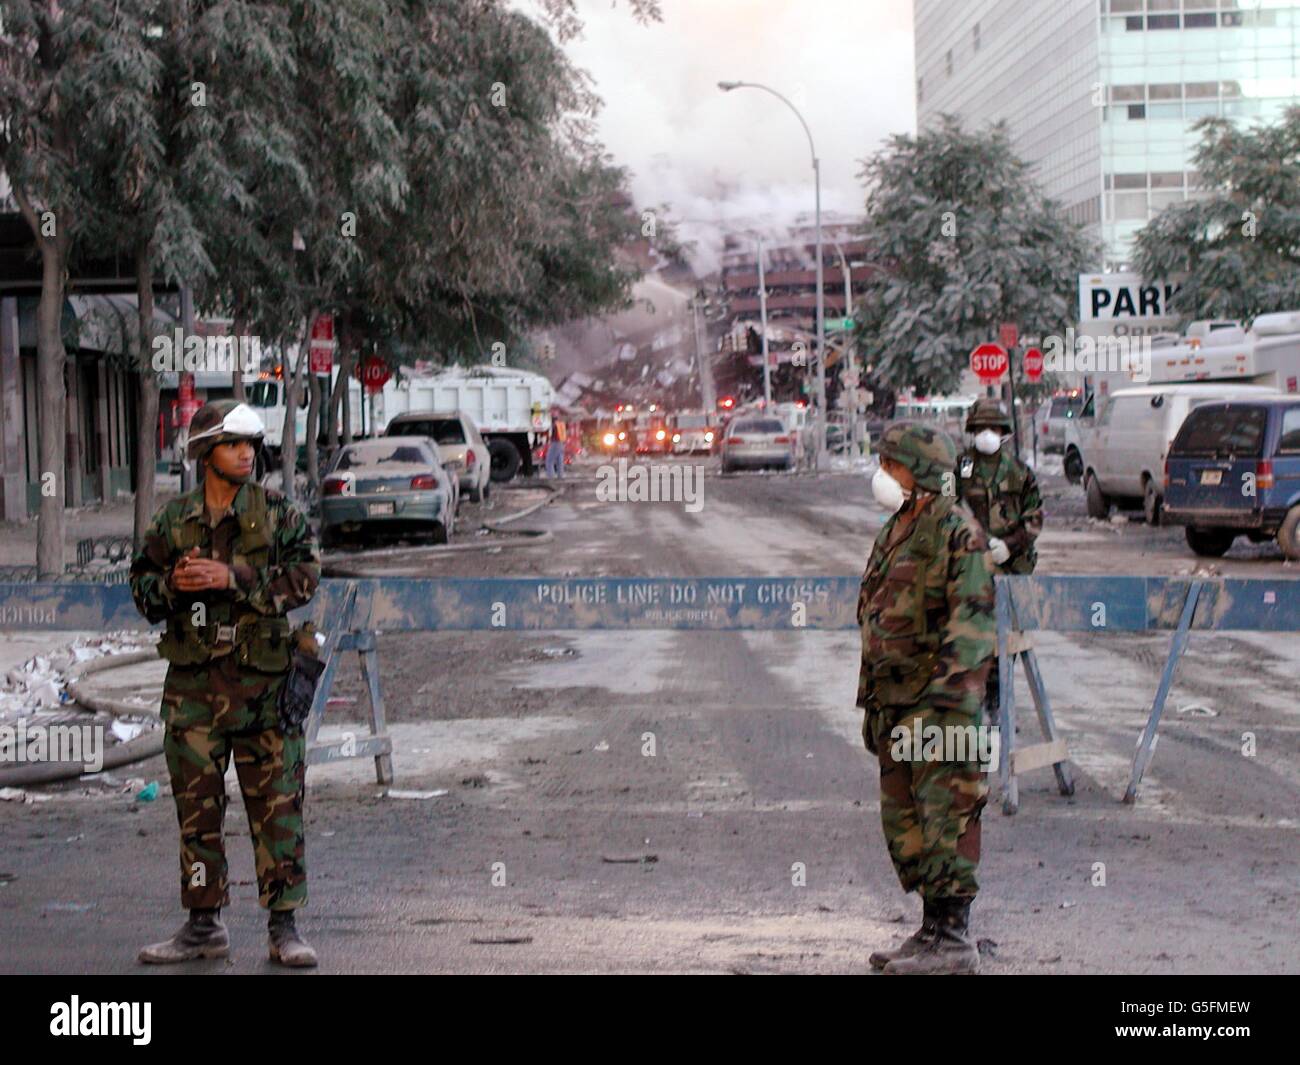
{"points": [[1236, 242], [964, 240]]}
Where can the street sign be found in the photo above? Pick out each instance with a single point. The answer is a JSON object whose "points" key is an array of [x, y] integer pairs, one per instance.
{"points": [[320, 350], [320, 361], [1008, 334], [374, 373], [989, 362], [839, 325], [1033, 364]]}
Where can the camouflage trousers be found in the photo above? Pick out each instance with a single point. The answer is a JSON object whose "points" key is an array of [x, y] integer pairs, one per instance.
{"points": [[930, 806], [212, 712]]}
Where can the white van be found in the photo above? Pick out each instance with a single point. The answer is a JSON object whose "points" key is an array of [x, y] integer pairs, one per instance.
{"points": [[1120, 453]]}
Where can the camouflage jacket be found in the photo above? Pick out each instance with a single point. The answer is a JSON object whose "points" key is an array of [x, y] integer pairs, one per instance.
{"points": [[926, 612], [1002, 493], [275, 565]]}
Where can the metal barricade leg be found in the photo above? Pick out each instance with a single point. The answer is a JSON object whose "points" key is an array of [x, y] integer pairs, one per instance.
{"points": [[1006, 702], [369, 655], [1064, 782], [1147, 742]]}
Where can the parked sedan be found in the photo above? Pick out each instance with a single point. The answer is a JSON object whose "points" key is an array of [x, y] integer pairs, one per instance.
{"points": [[757, 442], [462, 448], [388, 487]]}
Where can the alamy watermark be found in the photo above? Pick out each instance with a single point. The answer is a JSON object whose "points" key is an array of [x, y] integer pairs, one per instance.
{"points": [[651, 483], [53, 743], [1087, 354], [179, 353], [919, 741]]}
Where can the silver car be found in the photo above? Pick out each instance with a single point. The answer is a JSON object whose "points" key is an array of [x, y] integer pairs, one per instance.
{"points": [[757, 443], [464, 452], [393, 487]]}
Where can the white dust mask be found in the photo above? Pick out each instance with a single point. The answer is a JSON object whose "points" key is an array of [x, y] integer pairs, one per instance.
{"points": [[888, 492], [987, 441]]}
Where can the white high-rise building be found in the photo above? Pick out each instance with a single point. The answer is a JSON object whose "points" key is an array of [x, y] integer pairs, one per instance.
{"points": [[1100, 95]]}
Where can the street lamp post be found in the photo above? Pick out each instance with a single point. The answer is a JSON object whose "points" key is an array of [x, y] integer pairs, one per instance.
{"points": [[762, 316], [820, 428], [849, 361]]}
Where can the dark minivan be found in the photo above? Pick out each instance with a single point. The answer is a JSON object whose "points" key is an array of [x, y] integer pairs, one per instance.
{"points": [[1233, 469]]}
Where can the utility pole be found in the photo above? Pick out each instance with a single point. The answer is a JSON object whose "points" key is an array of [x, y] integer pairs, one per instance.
{"points": [[762, 313], [705, 366]]}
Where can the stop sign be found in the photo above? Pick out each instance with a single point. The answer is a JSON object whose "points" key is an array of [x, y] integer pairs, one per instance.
{"points": [[374, 373], [1033, 364], [989, 362]]}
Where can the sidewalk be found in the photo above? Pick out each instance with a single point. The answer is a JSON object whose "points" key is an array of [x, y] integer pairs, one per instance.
{"points": [[18, 539]]}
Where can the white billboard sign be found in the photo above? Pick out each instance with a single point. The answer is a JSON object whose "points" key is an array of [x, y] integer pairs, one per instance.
{"points": [[1122, 305]]}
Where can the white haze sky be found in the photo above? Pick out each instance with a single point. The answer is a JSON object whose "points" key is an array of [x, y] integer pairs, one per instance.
{"points": [[846, 64]]}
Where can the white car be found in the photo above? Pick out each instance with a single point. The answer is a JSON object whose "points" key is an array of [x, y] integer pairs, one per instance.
{"points": [[1119, 454]]}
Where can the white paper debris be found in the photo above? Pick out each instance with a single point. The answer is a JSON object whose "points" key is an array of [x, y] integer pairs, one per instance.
{"points": [[395, 793]]}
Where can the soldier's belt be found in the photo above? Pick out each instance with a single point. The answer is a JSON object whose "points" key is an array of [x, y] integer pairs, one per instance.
{"points": [[220, 634]]}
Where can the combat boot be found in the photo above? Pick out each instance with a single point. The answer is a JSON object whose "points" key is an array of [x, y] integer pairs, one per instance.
{"points": [[203, 936], [287, 947], [912, 944], [950, 951]]}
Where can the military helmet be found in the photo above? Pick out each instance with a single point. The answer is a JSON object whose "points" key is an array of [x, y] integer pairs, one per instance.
{"points": [[925, 451], [222, 421], [987, 414]]}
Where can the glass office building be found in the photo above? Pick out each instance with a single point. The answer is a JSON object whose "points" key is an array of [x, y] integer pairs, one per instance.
{"points": [[1101, 95]]}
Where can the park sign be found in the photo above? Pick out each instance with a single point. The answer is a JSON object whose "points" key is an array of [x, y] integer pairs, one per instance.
{"points": [[988, 362], [1121, 304]]}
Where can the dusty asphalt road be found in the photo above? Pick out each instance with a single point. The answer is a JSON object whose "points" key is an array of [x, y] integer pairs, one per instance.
{"points": [[614, 860]]}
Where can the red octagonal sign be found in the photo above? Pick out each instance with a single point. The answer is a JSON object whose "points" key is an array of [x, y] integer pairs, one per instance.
{"points": [[989, 362], [1033, 364], [374, 373]]}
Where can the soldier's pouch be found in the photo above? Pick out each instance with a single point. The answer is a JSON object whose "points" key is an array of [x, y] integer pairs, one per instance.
{"points": [[266, 647], [899, 680], [298, 690]]}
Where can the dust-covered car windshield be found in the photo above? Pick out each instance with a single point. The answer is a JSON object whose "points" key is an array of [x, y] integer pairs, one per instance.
{"points": [[1066, 406], [1219, 432], [443, 430], [381, 452], [692, 421]]}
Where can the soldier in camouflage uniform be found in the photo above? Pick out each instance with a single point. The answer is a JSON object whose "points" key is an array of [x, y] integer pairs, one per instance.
{"points": [[1000, 490], [1002, 493], [222, 565], [928, 636]]}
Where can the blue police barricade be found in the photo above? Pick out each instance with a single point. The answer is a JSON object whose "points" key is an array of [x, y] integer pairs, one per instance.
{"points": [[352, 612]]}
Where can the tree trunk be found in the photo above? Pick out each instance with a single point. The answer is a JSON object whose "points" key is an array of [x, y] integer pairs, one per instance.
{"points": [[146, 424], [313, 428], [339, 398], [346, 370], [53, 402], [289, 435], [238, 328]]}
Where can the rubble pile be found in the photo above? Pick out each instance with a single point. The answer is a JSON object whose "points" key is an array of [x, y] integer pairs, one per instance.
{"points": [[40, 683]]}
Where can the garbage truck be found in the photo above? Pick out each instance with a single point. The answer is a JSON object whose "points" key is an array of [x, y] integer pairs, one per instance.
{"points": [[511, 407]]}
